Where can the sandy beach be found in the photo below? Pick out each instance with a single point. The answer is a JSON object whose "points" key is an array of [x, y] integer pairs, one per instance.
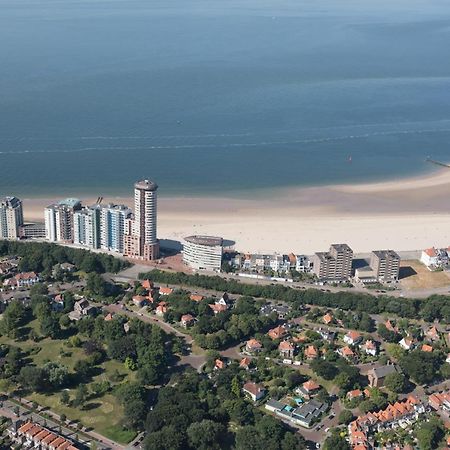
{"points": [[406, 214]]}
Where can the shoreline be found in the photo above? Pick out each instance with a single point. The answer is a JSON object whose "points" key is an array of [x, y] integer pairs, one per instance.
{"points": [[400, 214]]}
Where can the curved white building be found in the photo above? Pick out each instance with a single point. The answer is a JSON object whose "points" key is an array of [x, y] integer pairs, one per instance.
{"points": [[203, 252]]}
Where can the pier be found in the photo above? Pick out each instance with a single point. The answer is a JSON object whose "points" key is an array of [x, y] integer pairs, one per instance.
{"points": [[438, 163]]}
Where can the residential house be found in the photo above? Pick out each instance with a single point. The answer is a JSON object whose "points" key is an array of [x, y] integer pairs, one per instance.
{"points": [[161, 309], [196, 297], [352, 338], [328, 335], [407, 343], [245, 363], [356, 393], [440, 401], [148, 285], [388, 324], [311, 352], [81, 309], [253, 346], [278, 332], [346, 352], [58, 303], [165, 291], [305, 415], [254, 391], [377, 375], [224, 300], [308, 389], [274, 405], [219, 364], [139, 300], [401, 413], [433, 334], [31, 435], [218, 308], [327, 319], [370, 348], [435, 258], [22, 280], [109, 317], [427, 348], [186, 320], [286, 349]]}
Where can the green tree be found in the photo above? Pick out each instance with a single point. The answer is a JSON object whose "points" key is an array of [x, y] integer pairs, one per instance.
{"points": [[345, 417], [422, 367], [396, 382], [248, 438], [65, 398], [324, 369], [429, 433], [32, 378], [205, 435], [335, 442], [80, 396], [56, 374], [236, 387], [50, 326], [13, 319]]}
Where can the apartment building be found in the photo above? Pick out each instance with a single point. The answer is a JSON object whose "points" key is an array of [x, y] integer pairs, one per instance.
{"points": [[141, 240], [386, 265], [334, 265], [112, 227], [203, 252], [87, 227], [11, 217], [59, 225]]}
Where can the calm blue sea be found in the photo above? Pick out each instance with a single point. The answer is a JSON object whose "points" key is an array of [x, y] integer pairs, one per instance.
{"points": [[219, 96]]}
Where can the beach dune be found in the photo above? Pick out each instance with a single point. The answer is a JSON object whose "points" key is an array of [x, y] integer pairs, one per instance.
{"points": [[406, 214]]}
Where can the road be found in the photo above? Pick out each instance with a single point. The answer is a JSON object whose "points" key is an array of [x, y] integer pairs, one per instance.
{"points": [[195, 361]]}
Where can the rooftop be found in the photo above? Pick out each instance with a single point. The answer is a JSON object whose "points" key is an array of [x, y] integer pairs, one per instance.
{"points": [[146, 185], [211, 241]]}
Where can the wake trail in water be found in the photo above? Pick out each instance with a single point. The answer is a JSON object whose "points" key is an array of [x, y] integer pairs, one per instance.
{"points": [[236, 144], [247, 134]]}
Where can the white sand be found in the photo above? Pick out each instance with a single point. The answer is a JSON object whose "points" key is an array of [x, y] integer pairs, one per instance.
{"points": [[403, 215]]}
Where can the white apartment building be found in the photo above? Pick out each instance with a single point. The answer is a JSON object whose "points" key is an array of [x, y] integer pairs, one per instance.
{"points": [[59, 226], [141, 240], [11, 217], [87, 227], [112, 227], [203, 252]]}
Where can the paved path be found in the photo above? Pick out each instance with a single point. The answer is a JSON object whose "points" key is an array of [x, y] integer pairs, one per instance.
{"points": [[195, 361]]}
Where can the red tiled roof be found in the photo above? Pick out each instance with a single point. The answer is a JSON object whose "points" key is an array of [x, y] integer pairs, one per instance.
{"points": [[286, 346], [245, 362], [253, 388], [311, 385], [165, 290], [147, 284], [353, 335], [217, 307], [277, 332], [253, 344]]}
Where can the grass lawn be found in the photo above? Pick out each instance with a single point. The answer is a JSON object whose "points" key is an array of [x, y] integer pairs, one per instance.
{"points": [[104, 413]]}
